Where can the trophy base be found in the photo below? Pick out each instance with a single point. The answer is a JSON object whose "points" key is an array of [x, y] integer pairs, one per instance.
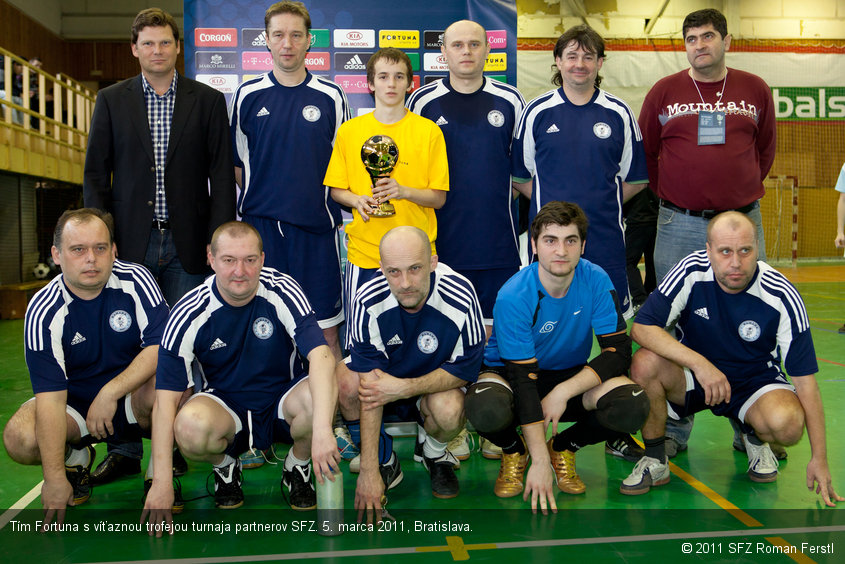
{"points": [[385, 209]]}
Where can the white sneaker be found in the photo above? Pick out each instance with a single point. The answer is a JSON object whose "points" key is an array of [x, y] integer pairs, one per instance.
{"points": [[762, 463], [461, 445], [649, 472], [490, 450]]}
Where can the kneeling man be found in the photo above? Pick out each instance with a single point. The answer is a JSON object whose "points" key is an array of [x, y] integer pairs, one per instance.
{"points": [[91, 342], [247, 328], [536, 371], [739, 319], [417, 336]]}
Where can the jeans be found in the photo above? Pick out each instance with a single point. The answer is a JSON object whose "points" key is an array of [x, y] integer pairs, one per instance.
{"points": [[163, 262], [678, 235]]}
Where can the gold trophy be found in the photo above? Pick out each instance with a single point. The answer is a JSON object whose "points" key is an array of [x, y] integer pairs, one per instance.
{"points": [[379, 155]]}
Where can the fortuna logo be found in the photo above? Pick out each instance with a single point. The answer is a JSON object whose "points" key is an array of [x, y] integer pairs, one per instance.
{"points": [[395, 340], [355, 63], [702, 312], [263, 112], [441, 121], [553, 129], [217, 344], [77, 339]]}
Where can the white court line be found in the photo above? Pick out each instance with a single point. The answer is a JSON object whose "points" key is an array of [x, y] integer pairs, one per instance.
{"points": [[499, 545], [20, 505]]}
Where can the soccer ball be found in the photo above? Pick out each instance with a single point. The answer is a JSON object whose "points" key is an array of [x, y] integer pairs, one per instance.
{"points": [[41, 271]]}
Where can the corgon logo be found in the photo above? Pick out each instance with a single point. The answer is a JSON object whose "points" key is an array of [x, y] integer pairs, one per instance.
{"points": [[216, 37]]}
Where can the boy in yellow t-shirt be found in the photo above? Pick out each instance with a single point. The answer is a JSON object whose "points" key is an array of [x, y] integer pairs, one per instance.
{"points": [[416, 186]]}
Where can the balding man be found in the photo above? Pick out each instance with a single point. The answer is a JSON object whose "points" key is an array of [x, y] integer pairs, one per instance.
{"points": [[416, 338], [478, 116], [739, 320]]}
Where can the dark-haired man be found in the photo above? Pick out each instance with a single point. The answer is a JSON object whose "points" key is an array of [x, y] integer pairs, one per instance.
{"points": [[160, 161], [581, 144], [91, 344], [537, 370]]}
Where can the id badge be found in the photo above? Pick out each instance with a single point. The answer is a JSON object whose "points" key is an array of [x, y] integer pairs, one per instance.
{"points": [[711, 128]]}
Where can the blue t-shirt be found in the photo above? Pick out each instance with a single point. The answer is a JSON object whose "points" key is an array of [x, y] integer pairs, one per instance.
{"points": [[282, 137], [743, 334], [476, 227], [558, 332], [80, 345], [446, 333], [251, 352], [582, 154]]}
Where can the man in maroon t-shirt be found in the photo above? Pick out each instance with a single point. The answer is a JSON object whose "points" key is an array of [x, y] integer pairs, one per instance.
{"points": [[710, 138]]}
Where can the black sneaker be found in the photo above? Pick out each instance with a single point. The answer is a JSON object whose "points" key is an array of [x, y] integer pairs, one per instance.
{"points": [[80, 478], [227, 486], [391, 472], [301, 495], [444, 483], [625, 447], [178, 501], [180, 465], [113, 467]]}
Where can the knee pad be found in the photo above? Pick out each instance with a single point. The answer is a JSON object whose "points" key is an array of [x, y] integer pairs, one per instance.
{"points": [[623, 409], [489, 406]]}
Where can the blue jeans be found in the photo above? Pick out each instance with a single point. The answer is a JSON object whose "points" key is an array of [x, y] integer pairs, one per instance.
{"points": [[163, 262], [678, 235]]}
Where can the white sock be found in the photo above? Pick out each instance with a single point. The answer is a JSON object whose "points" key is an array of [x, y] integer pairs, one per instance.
{"points": [[433, 448], [227, 460], [78, 457], [291, 460]]}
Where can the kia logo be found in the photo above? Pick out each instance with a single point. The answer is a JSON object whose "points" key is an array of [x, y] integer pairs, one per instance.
{"points": [[217, 81], [441, 59], [354, 35]]}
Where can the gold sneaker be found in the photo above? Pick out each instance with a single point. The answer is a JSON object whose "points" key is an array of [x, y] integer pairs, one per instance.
{"points": [[511, 472], [568, 480]]}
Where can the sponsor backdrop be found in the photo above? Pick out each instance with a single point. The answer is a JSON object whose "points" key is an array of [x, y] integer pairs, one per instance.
{"points": [[225, 43]]}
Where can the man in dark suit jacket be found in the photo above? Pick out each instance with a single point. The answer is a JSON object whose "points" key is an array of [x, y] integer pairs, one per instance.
{"points": [[164, 191], [159, 159]]}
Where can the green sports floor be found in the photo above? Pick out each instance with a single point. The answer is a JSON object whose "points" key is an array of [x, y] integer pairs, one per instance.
{"points": [[709, 512]]}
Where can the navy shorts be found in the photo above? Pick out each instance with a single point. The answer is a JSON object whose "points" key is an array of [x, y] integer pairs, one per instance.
{"points": [[126, 428], [313, 259], [743, 395], [353, 279], [254, 429], [487, 284]]}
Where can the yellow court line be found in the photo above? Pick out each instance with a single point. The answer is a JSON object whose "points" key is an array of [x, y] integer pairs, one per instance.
{"points": [[737, 513], [791, 551], [710, 494]]}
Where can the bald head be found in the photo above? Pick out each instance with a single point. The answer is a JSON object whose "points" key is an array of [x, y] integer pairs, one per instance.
{"points": [[731, 221], [407, 263], [405, 239], [732, 250], [465, 47], [465, 26]]}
